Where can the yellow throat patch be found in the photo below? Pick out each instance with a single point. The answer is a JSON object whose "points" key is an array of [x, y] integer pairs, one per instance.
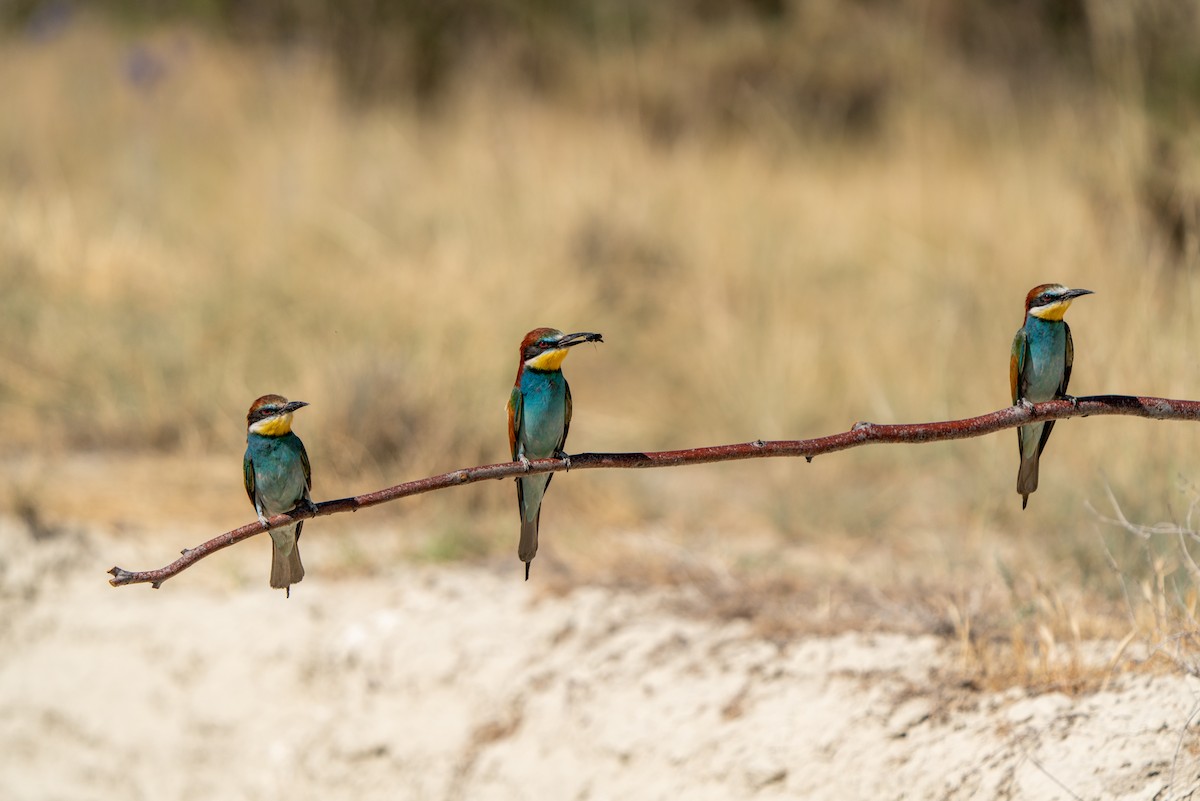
{"points": [[273, 426], [1054, 311], [548, 361]]}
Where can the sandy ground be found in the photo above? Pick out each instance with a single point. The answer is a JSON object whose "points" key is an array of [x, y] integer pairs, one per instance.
{"points": [[438, 682]]}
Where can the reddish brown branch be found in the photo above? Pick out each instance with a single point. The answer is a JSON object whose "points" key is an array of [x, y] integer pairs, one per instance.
{"points": [[859, 434]]}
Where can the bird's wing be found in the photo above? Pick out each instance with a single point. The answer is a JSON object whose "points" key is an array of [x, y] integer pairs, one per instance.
{"points": [[248, 477], [305, 464], [562, 443], [1016, 365], [516, 418], [1062, 388]]}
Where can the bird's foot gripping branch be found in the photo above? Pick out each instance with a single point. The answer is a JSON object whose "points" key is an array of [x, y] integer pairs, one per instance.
{"points": [[874, 433]]}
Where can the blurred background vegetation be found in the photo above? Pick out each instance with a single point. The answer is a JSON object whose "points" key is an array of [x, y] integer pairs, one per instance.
{"points": [[784, 217]]}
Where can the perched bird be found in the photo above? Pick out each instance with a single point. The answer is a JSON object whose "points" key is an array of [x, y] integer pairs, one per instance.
{"points": [[539, 415], [278, 479], [1042, 354]]}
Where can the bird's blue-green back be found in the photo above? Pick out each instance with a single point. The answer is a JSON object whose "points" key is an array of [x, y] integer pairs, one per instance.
{"points": [[541, 408], [276, 472]]}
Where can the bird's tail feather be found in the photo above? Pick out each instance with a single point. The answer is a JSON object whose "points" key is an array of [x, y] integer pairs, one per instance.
{"points": [[286, 568], [527, 549], [1027, 477]]}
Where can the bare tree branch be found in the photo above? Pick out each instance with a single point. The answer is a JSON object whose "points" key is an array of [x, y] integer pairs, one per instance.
{"points": [[859, 434]]}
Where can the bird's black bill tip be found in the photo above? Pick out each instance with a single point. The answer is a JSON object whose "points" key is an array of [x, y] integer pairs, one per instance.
{"points": [[294, 405], [571, 340], [1076, 293], [527, 571]]}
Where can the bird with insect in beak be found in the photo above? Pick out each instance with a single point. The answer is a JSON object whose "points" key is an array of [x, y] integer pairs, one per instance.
{"points": [[539, 416], [278, 479], [1039, 370]]}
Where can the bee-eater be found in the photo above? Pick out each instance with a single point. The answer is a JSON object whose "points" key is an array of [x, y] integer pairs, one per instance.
{"points": [[278, 479], [1042, 355], [539, 416]]}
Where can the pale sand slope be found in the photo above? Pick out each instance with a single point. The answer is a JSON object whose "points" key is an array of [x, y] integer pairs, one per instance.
{"points": [[451, 683]]}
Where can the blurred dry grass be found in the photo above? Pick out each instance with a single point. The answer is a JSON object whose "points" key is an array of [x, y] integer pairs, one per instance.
{"points": [[171, 249]]}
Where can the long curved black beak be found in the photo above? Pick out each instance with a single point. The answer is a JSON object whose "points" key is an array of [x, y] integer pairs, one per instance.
{"points": [[1075, 293], [293, 406], [570, 340]]}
